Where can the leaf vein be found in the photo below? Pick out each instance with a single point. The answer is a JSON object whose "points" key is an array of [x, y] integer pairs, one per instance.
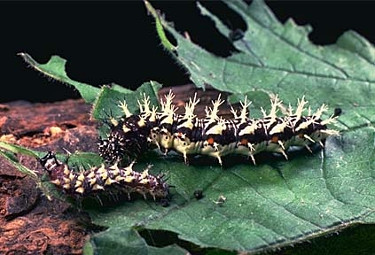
{"points": [[344, 73], [257, 222], [277, 204], [358, 53], [356, 79]]}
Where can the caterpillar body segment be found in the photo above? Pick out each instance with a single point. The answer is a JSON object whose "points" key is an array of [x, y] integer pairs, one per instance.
{"points": [[213, 135], [103, 179]]}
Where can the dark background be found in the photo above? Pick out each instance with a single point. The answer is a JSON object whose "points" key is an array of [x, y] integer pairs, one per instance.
{"points": [[116, 41]]}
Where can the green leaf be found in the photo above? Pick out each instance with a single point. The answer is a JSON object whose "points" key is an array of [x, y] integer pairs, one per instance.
{"points": [[55, 68], [83, 160], [109, 98], [19, 149], [121, 241], [107, 103], [159, 27], [267, 206], [277, 203], [259, 100], [279, 59]]}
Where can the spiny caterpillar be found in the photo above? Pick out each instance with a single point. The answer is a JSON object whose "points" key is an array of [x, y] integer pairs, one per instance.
{"points": [[99, 180], [213, 135]]}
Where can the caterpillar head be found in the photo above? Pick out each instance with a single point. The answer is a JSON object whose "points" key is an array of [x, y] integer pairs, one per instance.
{"points": [[160, 188], [121, 142], [52, 165], [128, 139], [50, 162]]}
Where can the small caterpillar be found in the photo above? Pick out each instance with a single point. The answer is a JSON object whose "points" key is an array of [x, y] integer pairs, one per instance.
{"points": [[99, 180], [213, 135]]}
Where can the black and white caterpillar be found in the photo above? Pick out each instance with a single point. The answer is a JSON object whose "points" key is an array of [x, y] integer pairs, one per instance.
{"points": [[213, 135], [100, 180]]}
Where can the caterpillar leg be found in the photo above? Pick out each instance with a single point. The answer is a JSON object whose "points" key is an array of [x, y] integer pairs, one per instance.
{"points": [[220, 161], [218, 156], [250, 147], [216, 146], [308, 148], [281, 144], [282, 152], [309, 138], [252, 158], [186, 161], [321, 144]]}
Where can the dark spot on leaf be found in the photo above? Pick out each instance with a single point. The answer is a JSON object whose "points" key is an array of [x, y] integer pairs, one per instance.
{"points": [[164, 202], [337, 112], [236, 35], [198, 194]]}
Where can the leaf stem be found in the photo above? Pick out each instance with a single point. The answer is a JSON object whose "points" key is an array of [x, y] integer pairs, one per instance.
{"points": [[159, 27]]}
